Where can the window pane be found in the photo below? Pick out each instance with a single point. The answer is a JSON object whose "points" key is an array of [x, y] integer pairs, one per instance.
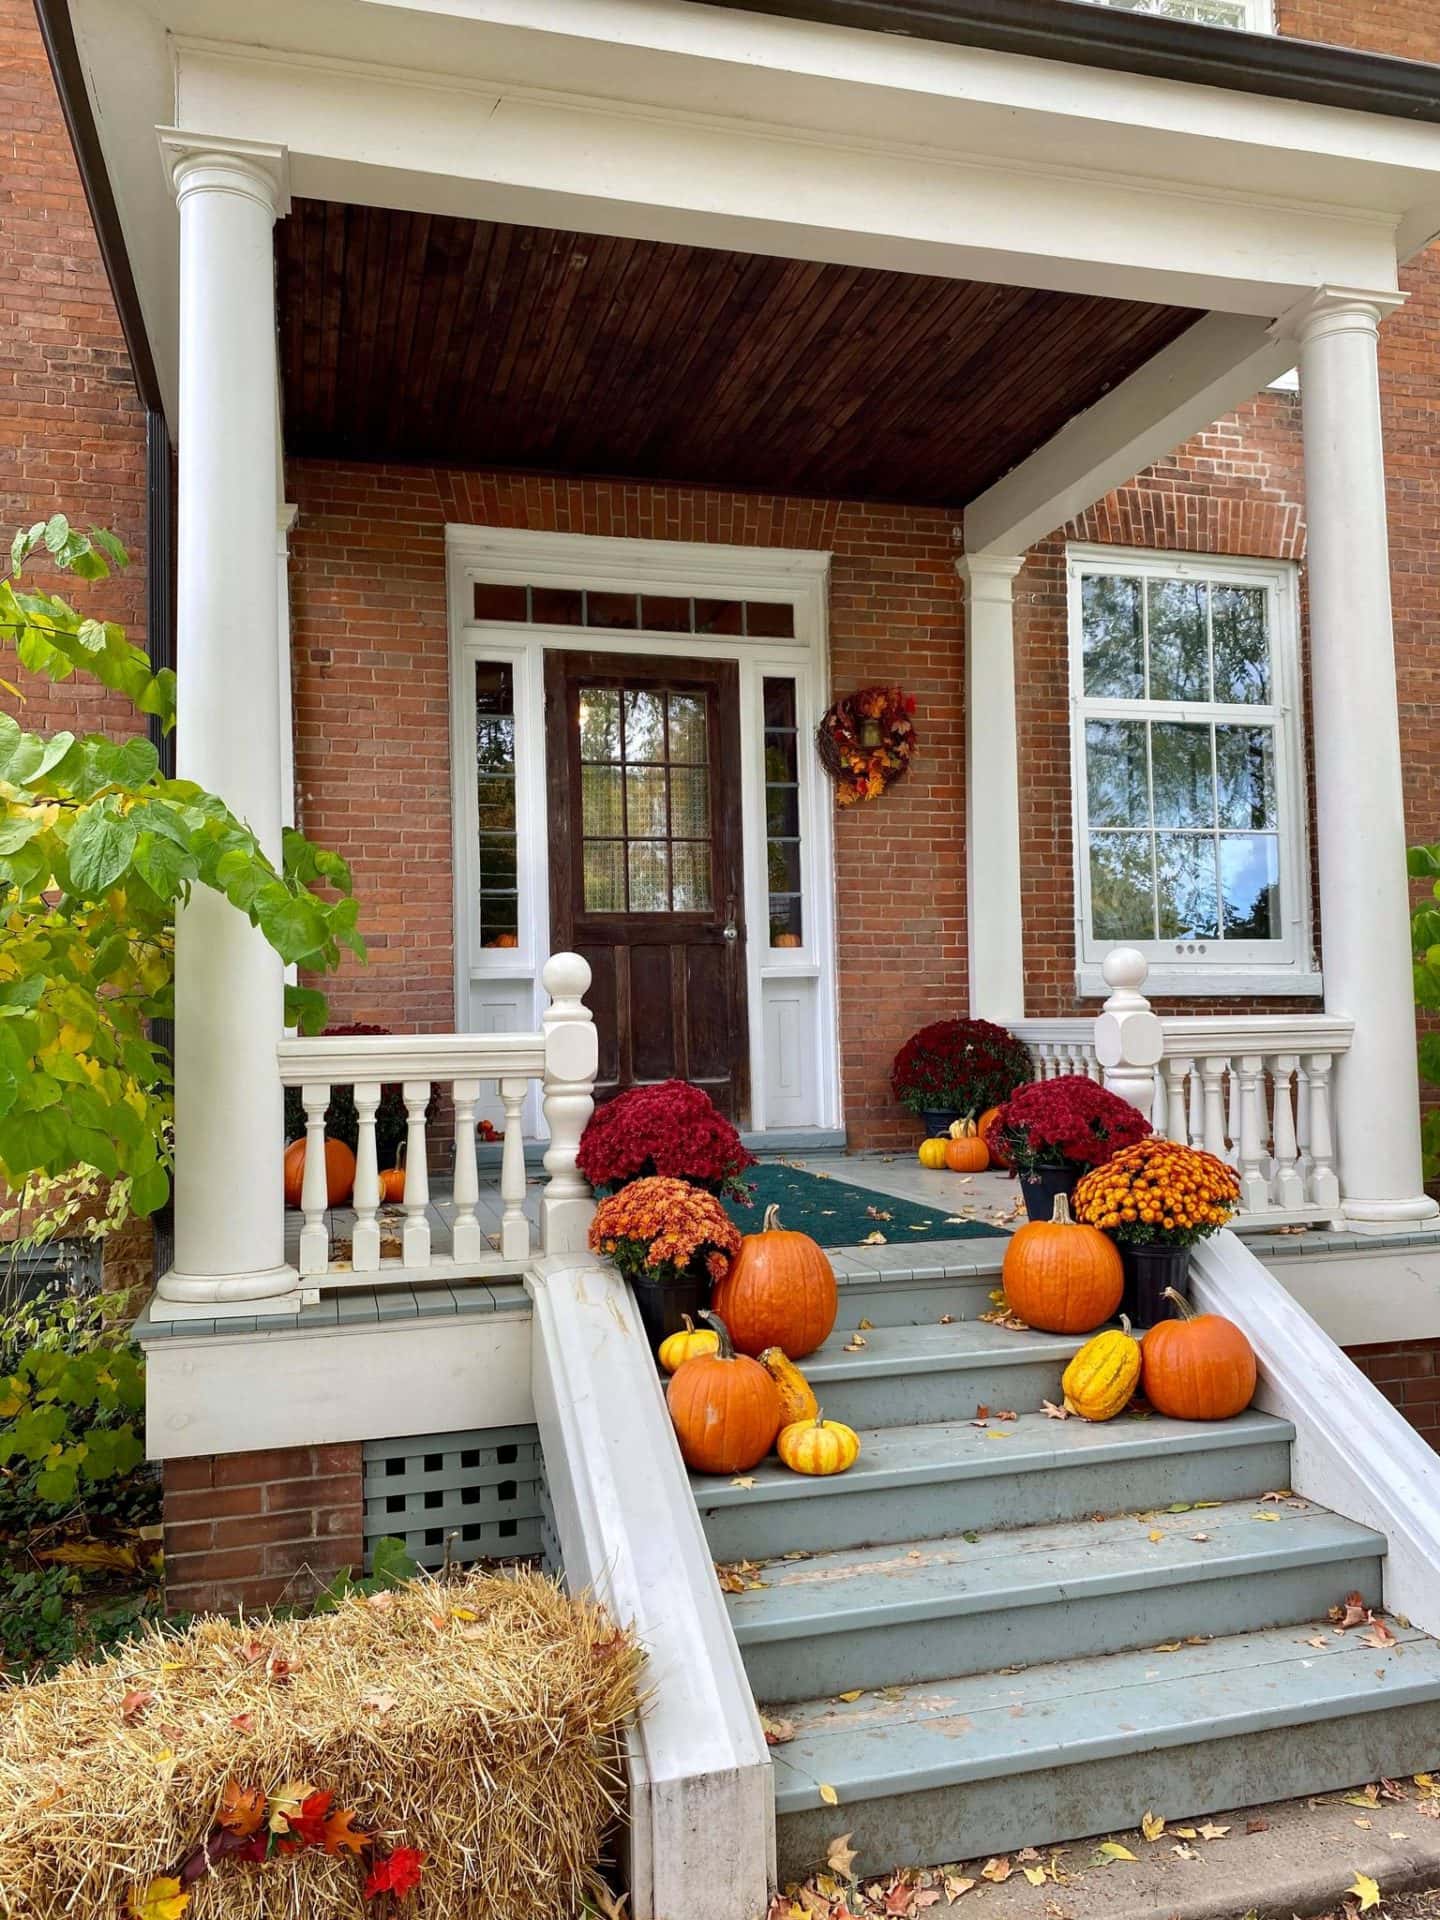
{"points": [[1179, 645], [599, 724], [787, 927], [496, 795], [499, 920], [1185, 875], [780, 758], [1245, 770], [497, 863], [1118, 785], [600, 801], [557, 606], [644, 727], [610, 610], [689, 739], [718, 616], [780, 703], [690, 803], [783, 859], [499, 603], [1250, 880], [604, 876], [649, 877], [645, 803], [1114, 645], [690, 861], [495, 742], [1181, 775], [1122, 901], [664, 615], [782, 812], [764, 620], [1242, 646]]}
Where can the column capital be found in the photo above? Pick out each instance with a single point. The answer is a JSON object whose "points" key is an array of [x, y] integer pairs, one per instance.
{"points": [[1331, 310], [989, 576], [210, 163]]}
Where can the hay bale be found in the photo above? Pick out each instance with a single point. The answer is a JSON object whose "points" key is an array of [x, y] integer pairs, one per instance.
{"points": [[478, 1720]]}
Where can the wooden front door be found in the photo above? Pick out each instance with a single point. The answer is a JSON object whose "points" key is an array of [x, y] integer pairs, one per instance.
{"points": [[643, 761]]}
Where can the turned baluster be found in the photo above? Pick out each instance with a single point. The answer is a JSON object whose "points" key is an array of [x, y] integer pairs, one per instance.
{"points": [[1212, 1073], [315, 1187], [415, 1238], [1248, 1074], [1289, 1186], [467, 1242], [365, 1240], [1177, 1071], [514, 1227], [1324, 1182]]}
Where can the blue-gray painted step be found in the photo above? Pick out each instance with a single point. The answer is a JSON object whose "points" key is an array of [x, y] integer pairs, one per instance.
{"points": [[921, 1611], [914, 1483], [914, 1285], [924, 1373], [954, 1769]]}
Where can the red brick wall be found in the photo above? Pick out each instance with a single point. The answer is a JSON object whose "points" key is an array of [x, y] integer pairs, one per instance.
{"points": [[372, 717], [260, 1529], [72, 431], [1409, 1377]]}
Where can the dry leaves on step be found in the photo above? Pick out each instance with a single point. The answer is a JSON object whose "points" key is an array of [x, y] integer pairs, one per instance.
{"points": [[778, 1732], [1152, 1826], [743, 1480], [1259, 1825], [1211, 1832], [874, 1240], [997, 1869], [1185, 1853], [1379, 1635], [866, 1326], [1365, 1890], [856, 1343], [1052, 1412], [853, 1694], [1109, 1852], [1354, 1613], [828, 1794], [840, 1856], [1280, 1493], [957, 1884], [1363, 1797], [742, 1577]]}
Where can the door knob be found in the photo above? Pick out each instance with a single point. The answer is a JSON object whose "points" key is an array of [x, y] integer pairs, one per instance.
{"points": [[732, 932]]}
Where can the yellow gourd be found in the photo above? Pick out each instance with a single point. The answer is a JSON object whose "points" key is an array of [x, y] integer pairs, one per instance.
{"points": [[676, 1348], [1101, 1380], [818, 1446], [797, 1396], [932, 1153]]}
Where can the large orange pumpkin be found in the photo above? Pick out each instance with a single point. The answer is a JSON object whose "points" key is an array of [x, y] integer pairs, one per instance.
{"points": [[1060, 1276], [1199, 1367], [779, 1292], [725, 1408], [339, 1172]]}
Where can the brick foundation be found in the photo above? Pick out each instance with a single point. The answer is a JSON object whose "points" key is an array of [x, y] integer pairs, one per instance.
{"points": [[1409, 1377], [260, 1529]]}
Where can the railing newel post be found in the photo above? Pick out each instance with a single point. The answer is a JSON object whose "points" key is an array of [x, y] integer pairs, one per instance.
{"points": [[572, 1057]]}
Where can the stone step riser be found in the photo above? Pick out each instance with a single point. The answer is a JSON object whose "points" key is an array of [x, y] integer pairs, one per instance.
{"points": [[1067, 1625], [1055, 1804], [817, 1518], [954, 1393], [914, 1303]]}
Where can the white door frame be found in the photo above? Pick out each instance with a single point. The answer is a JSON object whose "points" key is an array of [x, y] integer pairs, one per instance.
{"points": [[522, 557]]}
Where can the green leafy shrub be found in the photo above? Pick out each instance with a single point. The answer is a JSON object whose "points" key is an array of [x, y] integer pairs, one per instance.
{"points": [[1424, 864]]}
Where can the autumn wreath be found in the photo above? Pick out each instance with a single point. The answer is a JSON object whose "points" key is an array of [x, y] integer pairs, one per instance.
{"points": [[866, 742]]}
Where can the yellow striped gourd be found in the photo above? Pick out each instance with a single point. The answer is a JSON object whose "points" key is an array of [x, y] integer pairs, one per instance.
{"points": [[1101, 1380]]}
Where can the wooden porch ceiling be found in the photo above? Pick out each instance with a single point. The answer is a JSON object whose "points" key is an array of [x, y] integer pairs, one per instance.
{"points": [[411, 338]]}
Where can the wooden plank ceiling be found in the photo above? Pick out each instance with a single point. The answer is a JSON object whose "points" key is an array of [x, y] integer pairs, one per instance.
{"points": [[410, 338]]}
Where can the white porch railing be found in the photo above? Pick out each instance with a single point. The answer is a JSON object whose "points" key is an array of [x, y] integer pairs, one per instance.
{"points": [[562, 1057], [1254, 1089]]}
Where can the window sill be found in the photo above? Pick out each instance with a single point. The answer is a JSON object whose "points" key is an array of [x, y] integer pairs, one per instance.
{"points": [[1207, 983]]}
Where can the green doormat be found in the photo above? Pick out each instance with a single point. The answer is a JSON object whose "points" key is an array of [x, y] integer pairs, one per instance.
{"points": [[837, 1214]]}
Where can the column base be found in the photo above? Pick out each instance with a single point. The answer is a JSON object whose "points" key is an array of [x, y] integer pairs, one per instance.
{"points": [[1420, 1215], [183, 1296]]}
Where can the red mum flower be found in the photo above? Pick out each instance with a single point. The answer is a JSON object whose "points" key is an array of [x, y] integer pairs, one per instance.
{"points": [[397, 1873], [671, 1129], [1068, 1121]]}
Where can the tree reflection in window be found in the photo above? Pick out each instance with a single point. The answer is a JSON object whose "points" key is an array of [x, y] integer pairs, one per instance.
{"points": [[499, 901]]}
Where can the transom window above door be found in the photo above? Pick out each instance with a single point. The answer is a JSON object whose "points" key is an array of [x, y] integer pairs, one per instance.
{"points": [[1190, 841], [645, 800]]}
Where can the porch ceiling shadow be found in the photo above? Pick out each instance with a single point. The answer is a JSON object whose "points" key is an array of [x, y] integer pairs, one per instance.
{"points": [[416, 337]]}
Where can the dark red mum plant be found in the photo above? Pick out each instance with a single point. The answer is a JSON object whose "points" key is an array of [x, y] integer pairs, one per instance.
{"points": [[1071, 1121], [961, 1066], [672, 1129]]}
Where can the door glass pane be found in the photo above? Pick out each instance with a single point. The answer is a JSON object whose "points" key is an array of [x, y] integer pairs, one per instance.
{"points": [[649, 877], [497, 885], [604, 876], [1117, 778], [690, 873], [689, 734], [1250, 885], [783, 864], [1245, 772], [1113, 633], [1181, 775], [600, 807], [645, 803], [1179, 643], [1185, 875], [782, 811], [1122, 899], [644, 726], [690, 802], [599, 724], [1242, 646]]}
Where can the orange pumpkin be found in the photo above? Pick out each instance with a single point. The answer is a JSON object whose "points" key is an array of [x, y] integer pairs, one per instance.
{"points": [[779, 1292], [982, 1127], [965, 1151], [725, 1408], [504, 940], [339, 1172], [1199, 1367], [1060, 1276], [786, 940], [392, 1186]]}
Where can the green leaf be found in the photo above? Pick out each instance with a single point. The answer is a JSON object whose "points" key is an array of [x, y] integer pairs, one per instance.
{"points": [[110, 546], [291, 923], [150, 1190], [24, 544], [390, 1562], [305, 1009], [57, 532], [100, 850], [164, 867], [15, 831], [23, 993]]}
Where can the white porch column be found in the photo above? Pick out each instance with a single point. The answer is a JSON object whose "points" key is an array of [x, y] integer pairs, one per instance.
{"points": [[1364, 895], [992, 789], [229, 1225]]}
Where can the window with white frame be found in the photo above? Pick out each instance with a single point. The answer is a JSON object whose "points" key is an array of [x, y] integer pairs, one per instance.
{"points": [[1189, 816], [1252, 16]]}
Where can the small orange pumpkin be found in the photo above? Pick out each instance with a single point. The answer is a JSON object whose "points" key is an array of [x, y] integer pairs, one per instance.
{"points": [[339, 1172], [392, 1186], [786, 940], [779, 1292], [1199, 1367], [724, 1406], [982, 1126], [1060, 1276], [965, 1151]]}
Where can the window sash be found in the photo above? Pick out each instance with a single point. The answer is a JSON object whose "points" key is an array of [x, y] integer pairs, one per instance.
{"points": [[1242, 16]]}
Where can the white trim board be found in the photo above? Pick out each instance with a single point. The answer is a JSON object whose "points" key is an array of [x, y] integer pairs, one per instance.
{"points": [[792, 994]]}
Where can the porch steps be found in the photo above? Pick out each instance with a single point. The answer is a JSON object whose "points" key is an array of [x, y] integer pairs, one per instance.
{"points": [[1045, 1649]]}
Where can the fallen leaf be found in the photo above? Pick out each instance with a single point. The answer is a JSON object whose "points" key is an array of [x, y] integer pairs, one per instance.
{"points": [[1156, 1536], [1280, 1493], [1319, 1641], [1052, 1412], [1365, 1797], [1185, 1853], [1200, 1538], [866, 1326], [1112, 1850], [1274, 1518], [93, 1556], [1211, 1832], [241, 1810], [743, 1480], [777, 1732], [286, 1802], [956, 1884], [840, 1856], [1379, 1635], [1365, 1890], [339, 1834], [1367, 1824], [873, 1240], [1168, 1646], [243, 1722], [878, 1213], [1035, 1875], [135, 1703], [1354, 1613], [162, 1899], [828, 1794], [997, 1869], [1152, 1826], [1185, 1833], [857, 1343], [1257, 1826]]}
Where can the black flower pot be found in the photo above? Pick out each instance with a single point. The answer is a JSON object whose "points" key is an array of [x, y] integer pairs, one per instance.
{"points": [[664, 1304], [1148, 1272], [937, 1121], [1042, 1185]]}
